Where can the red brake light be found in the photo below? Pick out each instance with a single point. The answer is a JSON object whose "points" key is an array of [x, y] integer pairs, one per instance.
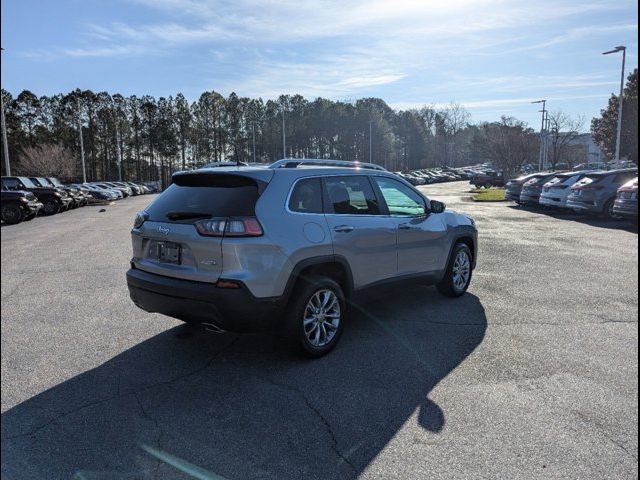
{"points": [[590, 187], [229, 227]]}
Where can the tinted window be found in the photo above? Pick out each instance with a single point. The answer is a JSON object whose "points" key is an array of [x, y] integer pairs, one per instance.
{"points": [[10, 184], [306, 196], [224, 196], [400, 199], [352, 195]]}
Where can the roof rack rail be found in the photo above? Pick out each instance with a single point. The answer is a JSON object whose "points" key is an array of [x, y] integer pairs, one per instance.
{"points": [[295, 162]]}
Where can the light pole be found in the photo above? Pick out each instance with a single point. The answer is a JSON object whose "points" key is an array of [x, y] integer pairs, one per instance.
{"points": [[7, 166], [253, 132], [284, 136], [623, 49], [370, 141], [118, 153], [84, 169], [540, 159]]}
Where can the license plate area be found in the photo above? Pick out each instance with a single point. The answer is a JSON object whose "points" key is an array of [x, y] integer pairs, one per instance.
{"points": [[169, 252]]}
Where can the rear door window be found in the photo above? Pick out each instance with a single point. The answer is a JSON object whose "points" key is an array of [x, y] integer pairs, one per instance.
{"points": [[306, 196], [352, 195], [193, 197]]}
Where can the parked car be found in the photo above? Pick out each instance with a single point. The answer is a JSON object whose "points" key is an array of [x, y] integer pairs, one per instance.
{"points": [[591, 166], [556, 191], [53, 200], [514, 186], [244, 249], [77, 199], [126, 191], [596, 193], [531, 190], [489, 178], [626, 204], [118, 192], [17, 206]]}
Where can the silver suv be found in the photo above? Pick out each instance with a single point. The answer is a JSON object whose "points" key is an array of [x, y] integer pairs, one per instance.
{"points": [[289, 246]]}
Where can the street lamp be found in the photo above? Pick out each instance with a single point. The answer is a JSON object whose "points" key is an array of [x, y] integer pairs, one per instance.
{"points": [[622, 49], [541, 156], [370, 141], [7, 166]]}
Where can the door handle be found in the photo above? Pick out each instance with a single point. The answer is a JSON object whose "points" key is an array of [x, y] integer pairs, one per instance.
{"points": [[404, 226], [343, 229]]}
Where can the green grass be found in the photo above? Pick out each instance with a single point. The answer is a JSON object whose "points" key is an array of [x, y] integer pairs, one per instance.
{"points": [[489, 195]]}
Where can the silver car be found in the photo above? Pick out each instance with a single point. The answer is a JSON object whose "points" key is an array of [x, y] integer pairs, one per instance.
{"points": [[596, 193], [289, 246]]}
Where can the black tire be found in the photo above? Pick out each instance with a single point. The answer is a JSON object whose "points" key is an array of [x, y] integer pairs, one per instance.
{"points": [[607, 211], [50, 207], [449, 286], [297, 308], [12, 214]]}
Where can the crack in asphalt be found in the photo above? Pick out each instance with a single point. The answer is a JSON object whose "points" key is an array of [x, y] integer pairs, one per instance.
{"points": [[119, 394], [602, 429], [334, 441]]}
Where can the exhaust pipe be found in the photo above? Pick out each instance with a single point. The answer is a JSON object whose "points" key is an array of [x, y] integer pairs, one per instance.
{"points": [[212, 327]]}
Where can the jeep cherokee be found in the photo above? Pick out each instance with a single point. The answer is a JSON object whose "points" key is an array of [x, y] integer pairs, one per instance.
{"points": [[252, 248]]}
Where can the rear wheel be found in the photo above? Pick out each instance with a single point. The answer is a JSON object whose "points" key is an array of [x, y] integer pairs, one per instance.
{"points": [[315, 317], [608, 212], [11, 214], [459, 272]]}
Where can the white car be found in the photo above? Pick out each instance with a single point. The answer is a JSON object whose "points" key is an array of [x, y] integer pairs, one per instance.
{"points": [[556, 191]]}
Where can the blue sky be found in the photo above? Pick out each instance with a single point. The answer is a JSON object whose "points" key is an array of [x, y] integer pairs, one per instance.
{"points": [[491, 56]]}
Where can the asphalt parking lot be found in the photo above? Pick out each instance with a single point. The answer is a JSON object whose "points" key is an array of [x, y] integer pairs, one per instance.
{"points": [[532, 374]]}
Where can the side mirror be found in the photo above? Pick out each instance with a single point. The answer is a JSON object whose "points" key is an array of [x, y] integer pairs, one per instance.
{"points": [[437, 207]]}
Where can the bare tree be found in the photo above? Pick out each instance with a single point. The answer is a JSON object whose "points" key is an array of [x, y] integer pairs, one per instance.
{"points": [[507, 144], [48, 160], [563, 131]]}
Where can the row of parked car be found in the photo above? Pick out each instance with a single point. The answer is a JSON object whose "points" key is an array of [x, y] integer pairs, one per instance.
{"points": [[610, 193], [428, 176], [23, 198]]}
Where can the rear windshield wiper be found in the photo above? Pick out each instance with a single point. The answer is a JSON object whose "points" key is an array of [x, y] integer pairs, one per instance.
{"points": [[187, 215]]}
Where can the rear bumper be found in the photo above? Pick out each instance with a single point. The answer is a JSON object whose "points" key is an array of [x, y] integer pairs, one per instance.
{"points": [[233, 310], [626, 208], [513, 194], [530, 198], [583, 206], [553, 201]]}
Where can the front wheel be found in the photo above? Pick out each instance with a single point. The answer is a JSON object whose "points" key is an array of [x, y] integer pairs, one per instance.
{"points": [[11, 214], [316, 316], [459, 272]]}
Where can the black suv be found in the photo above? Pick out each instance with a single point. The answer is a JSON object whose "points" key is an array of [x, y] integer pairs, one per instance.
{"points": [[18, 206], [77, 197], [53, 200]]}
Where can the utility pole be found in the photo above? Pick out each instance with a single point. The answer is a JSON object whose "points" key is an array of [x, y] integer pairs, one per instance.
{"points": [[84, 168], [7, 166], [541, 156], [284, 136], [622, 49], [370, 142]]}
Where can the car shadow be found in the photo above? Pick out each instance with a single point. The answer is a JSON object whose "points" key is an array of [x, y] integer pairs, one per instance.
{"points": [[591, 220], [238, 407]]}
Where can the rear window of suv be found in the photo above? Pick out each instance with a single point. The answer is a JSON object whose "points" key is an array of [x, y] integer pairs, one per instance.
{"points": [[205, 195]]}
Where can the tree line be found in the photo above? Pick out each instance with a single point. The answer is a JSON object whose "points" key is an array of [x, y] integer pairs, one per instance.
{"points": [[145, 138]]}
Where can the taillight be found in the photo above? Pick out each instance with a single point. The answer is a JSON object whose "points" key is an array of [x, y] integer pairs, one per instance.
{"points": [[229, 227], [139, 219], [559, 187]]}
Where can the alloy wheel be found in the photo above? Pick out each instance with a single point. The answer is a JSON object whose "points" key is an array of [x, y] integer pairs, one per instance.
{"points": [[321, 317], [461, 270]]}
